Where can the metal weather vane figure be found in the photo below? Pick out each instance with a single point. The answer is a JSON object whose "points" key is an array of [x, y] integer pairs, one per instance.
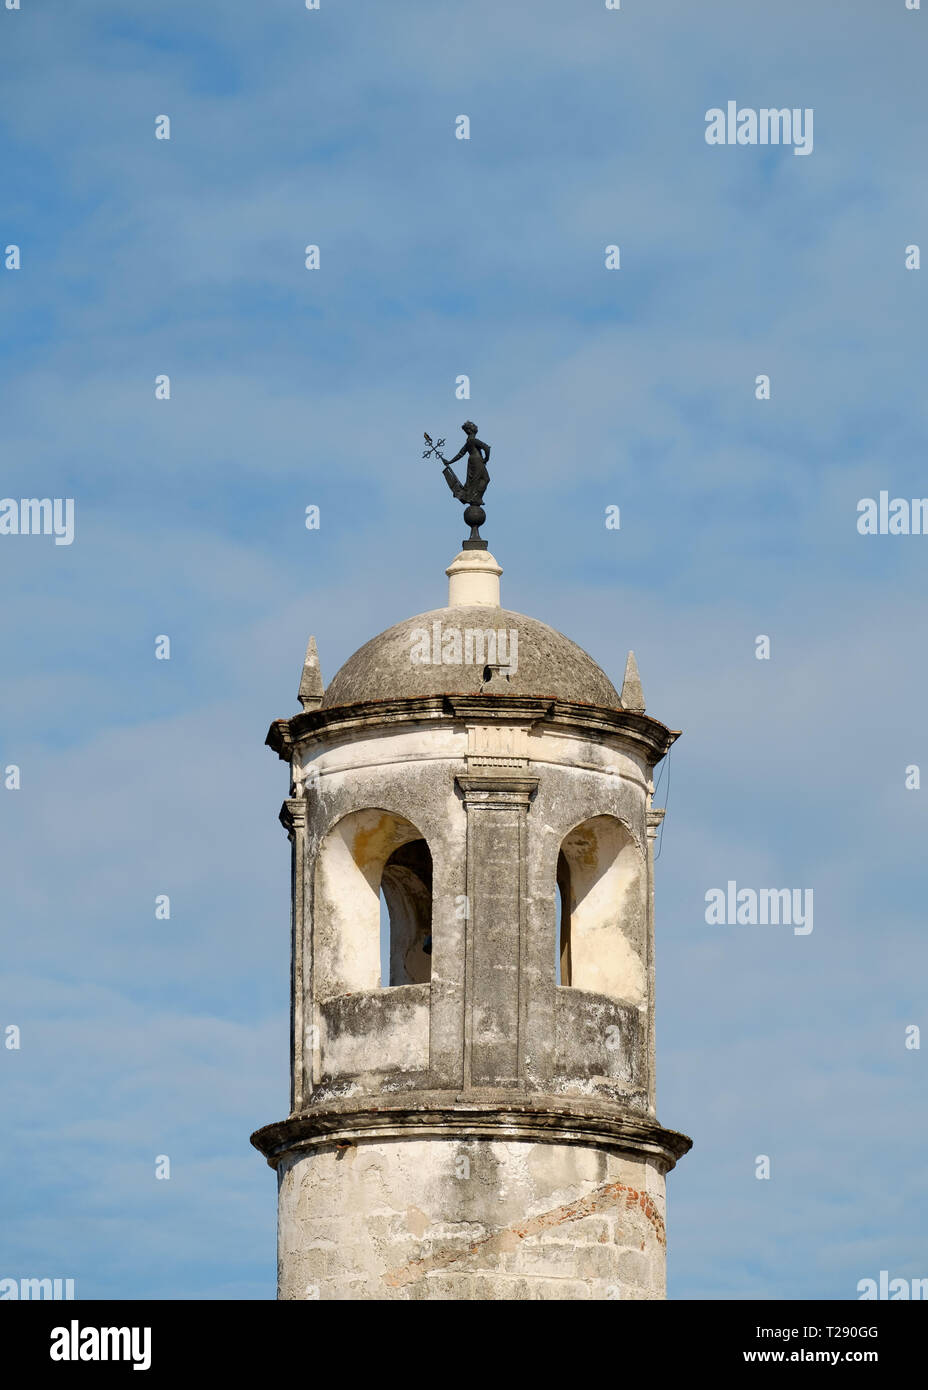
{"points": [[476, 481]]}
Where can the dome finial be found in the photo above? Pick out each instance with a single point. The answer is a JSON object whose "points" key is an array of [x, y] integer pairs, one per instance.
{"points": [[475, 484]]}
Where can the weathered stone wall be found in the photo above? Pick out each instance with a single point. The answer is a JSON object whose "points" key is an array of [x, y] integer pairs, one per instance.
{"points": [[485, 1132], [594, 1042], [470, 1219]]}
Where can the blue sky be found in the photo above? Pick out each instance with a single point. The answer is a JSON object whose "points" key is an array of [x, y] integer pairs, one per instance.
{"points": [[635, 388]]}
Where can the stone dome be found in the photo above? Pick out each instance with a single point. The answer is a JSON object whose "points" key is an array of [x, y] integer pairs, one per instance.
{"points": [[406, 661]]}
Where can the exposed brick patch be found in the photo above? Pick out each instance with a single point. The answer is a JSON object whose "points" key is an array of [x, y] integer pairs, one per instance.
{"points": [[603, 1198]]}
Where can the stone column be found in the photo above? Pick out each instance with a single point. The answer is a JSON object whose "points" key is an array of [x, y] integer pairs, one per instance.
{"points": [[293, 819], [654, 818], [494, 1005]]}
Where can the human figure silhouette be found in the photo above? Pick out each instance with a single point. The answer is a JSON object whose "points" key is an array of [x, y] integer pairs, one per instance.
{"points": [[477, 479]]}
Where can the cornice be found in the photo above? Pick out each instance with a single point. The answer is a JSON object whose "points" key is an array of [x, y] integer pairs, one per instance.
{"points": [[433, 1115], [651, 736]]}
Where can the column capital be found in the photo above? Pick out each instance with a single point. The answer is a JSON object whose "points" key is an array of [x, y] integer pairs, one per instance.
{"points": [[496, 789], [293, 814]]}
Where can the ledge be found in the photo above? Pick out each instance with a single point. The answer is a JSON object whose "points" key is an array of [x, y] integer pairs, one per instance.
{"points": [[479, 1115], [285, 734]]}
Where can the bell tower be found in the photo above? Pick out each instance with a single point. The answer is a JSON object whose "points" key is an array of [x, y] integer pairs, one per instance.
{"points": [[473, 1108]]}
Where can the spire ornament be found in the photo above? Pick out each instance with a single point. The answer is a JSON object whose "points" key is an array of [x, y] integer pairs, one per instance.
{"points": [[476, 480]]}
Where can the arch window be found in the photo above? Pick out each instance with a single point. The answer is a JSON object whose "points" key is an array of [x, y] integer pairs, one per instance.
{"points": [[602, 918], [372, 907], [406, 916]]}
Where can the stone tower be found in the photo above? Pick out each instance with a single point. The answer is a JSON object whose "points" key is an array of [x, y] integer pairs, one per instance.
{"points": [[472, 1108]]}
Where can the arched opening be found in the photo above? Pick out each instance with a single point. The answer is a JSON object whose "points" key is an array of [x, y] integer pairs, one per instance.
{"points": [[373, 879], [562, 940], [602, 926], [406, 936]]}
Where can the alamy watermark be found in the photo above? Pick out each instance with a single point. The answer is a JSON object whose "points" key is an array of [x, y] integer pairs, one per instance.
{"points": [[470, 646], [36, 1288], [898, 517], [767, 126], [892, 1289], [86, 1343], [38, 516], [749, 907]]}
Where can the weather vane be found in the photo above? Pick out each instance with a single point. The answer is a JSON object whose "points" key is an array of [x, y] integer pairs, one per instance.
{"points": [[475, 483]]}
